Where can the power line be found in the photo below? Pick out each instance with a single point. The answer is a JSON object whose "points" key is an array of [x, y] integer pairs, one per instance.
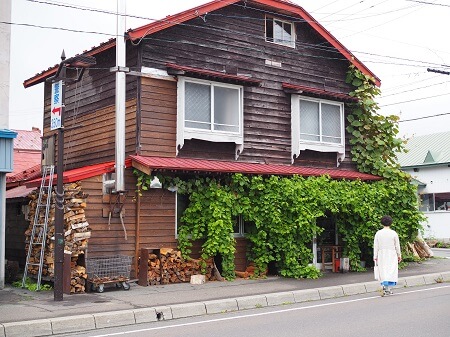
{"points": [[54, 28], [428, 3], [427, 86], [414, 100], [424, 117], [305, 45]]}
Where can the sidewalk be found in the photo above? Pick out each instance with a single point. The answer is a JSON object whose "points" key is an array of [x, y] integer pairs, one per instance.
{"points": [[115, 307]]}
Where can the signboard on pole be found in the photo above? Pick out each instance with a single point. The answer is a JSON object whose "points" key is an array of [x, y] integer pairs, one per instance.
{"points": [[56, 106]]}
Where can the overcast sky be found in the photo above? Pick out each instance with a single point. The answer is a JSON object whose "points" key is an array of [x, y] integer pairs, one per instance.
{"points": [[397, 39]]}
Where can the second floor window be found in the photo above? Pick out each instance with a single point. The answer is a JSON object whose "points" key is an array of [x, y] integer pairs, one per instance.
{"points": [[210, 111], [213, 107], [280, 32], [320, 122], [317, 125]]}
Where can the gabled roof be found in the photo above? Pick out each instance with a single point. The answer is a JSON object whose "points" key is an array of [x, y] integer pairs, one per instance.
{"points": [[149, 164], [287, 7], [427, 150]]}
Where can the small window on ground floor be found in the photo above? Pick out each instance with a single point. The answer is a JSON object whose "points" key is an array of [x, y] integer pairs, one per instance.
{"points": [[434, 202]]}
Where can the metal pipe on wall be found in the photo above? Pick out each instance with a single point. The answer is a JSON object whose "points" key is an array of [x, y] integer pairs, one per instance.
{"points": [[120, 95]]}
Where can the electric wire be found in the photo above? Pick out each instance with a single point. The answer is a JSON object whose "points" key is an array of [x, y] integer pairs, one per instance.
{"points": [[304, 45], [318, 47], [424, 117]]}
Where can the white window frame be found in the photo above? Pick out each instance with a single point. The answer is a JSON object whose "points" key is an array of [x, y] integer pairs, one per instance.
{"points": [[184, 132], [320, 146], [290, 43]]}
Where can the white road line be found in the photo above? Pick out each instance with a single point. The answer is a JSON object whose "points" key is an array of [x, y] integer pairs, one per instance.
{"points": [[266, 313]]}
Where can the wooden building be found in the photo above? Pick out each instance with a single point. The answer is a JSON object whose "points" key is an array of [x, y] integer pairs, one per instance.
{"points": [[255, 86]]}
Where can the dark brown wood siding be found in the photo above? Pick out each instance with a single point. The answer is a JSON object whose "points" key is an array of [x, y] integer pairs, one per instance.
{"points": [[107, 240], [157, 219], [90, 112], [233, 37], [158, 118]]}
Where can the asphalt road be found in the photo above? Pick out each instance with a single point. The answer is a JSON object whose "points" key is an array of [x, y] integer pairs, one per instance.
{"points": [[418, 311], [441, 252]]}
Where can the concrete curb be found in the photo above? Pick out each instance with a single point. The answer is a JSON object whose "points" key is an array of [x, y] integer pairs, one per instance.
{"points": [[51, 326]]}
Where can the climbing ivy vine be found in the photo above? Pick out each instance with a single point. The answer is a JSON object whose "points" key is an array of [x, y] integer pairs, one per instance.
{"points": [[284, 210]]}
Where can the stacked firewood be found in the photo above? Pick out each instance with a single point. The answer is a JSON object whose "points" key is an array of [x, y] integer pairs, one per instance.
{"points": [[420, 249], [78, 276], [76, 230], [170, 267]]}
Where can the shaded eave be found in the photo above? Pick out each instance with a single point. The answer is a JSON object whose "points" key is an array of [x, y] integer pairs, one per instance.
{"points": [[169, 21], [163, 164], [309, 91], [175, 69]]}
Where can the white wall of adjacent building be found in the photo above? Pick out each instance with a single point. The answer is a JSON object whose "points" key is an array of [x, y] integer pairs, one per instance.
{"points": [[437, 180]]}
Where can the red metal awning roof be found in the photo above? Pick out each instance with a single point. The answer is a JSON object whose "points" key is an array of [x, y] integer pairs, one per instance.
{"points": [[173, 20], [214, 74], [81, 173], [318, 92], [149, 164]]}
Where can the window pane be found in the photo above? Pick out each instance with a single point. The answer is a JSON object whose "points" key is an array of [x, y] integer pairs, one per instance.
{"points": [[269, 29], [226, 109], [331, 123], [278, 31], [197, 106], [182, 204], [309, 121], [427, 203], [287, 32], [442, 201]]}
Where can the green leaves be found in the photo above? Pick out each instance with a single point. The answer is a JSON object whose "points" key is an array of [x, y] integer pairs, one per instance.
{"points": [[283, 211]]}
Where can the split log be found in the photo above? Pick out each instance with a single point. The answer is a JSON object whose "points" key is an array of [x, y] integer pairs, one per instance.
{"points": [[170, 267], [76, 232]]}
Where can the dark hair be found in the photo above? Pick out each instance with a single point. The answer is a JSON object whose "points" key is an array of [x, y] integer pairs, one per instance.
{"points": [[386, 220]]}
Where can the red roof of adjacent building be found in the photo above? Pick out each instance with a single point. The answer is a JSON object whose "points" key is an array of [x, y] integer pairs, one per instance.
{"points": [[149, 164], [286, 7], [27, 174], [28, 140], [27, 155], [19, 192]]}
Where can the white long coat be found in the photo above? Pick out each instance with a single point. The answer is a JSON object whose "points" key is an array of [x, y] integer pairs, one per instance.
{"points": [[386, 249]]}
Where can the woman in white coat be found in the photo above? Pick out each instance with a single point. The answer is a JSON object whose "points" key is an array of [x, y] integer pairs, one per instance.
{"points": [[386, 255]]}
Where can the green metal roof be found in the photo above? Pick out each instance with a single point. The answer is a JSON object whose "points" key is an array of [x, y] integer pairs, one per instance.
{"points": [[427, 150]]}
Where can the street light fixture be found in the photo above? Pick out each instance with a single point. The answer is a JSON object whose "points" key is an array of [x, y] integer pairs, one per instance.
{"points": [[83, 62]]}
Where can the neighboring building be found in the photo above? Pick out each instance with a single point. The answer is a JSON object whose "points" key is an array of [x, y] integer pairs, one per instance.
{"points": [[428, 162], [255, 87], [27, 157], [27, 166]]}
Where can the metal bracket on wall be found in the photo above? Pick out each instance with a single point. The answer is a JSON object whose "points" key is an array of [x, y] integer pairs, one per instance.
{"points": [[116, 207]]}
